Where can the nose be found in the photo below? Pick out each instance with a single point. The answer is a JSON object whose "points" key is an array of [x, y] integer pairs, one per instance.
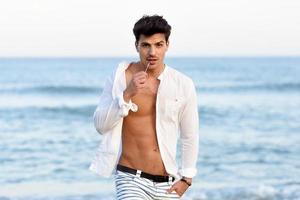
{"points": [[152, 51]]}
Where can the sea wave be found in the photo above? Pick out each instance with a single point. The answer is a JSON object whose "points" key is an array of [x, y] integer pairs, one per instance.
{"points": [[64, 191], [201, 87], [48, 89], [276, 87], [83, 110], [257, 192]]}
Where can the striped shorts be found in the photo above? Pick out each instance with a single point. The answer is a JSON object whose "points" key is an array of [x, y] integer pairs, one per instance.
{"points": [[133, 187]]}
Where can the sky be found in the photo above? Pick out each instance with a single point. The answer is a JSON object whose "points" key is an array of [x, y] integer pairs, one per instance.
{"points": [[97, 28]]}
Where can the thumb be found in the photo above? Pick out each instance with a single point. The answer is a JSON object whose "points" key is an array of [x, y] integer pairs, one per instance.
{"points": [[171, 189]]}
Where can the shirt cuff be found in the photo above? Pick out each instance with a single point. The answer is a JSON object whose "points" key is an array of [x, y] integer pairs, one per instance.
{"points": [[125, 107], [188, 172]]}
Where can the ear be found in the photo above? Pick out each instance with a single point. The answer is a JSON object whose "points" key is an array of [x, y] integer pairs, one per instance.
{"points": [[136, 46], [167, 44]]}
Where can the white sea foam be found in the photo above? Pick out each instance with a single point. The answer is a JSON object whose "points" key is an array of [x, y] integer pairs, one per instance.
{"points": [[23, 101], [51, 188]]}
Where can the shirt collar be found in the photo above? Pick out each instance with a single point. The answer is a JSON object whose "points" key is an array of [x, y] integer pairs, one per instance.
{"points": [[163, 73]]}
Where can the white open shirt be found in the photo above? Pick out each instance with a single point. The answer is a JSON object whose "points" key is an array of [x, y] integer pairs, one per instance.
{"points": [[176, 118]]}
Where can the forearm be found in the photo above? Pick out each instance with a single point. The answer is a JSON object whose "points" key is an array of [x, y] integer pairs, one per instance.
{"points": [[106, 116], [110, 111], [189, 128], [189, 151]]}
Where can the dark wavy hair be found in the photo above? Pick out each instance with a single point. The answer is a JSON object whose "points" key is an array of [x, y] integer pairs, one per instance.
{"points": [[149, 25]]}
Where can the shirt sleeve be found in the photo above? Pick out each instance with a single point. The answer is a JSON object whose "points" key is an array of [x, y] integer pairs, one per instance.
{"points": [[189, 128], [111, 110]]}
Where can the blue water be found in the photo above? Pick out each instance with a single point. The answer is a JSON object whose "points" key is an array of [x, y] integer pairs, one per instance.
{"points": [[249, 125]]}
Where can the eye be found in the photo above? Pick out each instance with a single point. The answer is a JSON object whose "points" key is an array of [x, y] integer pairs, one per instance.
{"points": [[159, 44], [145, 45]]}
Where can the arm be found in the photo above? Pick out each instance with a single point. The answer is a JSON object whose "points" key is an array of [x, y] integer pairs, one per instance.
{"points": [[189, 127], [110, 110], [189, 142]]}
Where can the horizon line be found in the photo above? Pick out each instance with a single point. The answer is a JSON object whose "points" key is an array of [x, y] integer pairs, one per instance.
{"points": [[167, 57]]}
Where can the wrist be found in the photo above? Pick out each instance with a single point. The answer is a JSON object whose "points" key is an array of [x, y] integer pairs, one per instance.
{"points": [[186, 180], [126, 96]]}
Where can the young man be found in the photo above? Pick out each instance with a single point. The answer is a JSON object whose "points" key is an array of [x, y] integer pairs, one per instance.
{"points": [[145, 107]]}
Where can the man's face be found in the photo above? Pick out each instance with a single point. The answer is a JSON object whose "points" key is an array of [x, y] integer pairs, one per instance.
{"points": [[152, 50]]}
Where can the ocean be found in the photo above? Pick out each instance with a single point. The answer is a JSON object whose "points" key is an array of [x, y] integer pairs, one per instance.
{"points": [[249, 112]]}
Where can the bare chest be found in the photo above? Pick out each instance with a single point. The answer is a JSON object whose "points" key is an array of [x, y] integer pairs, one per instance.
{"points": [[146, 100]]}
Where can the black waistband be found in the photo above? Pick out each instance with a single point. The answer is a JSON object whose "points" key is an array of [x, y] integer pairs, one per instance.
{"points": [[154, 178]]}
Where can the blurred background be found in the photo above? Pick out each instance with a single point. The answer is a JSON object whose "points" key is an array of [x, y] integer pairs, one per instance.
{"points": [[243, 56]]}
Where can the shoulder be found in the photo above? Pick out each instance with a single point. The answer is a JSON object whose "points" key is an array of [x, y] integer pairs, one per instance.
{"points": [[181, 83], [119, 68], [179, 77]]}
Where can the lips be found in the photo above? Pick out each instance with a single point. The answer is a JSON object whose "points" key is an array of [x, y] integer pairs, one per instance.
{"points": [[152, 60]]}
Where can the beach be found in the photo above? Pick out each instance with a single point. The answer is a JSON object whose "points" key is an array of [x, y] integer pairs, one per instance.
{"points": [[249, 127]]}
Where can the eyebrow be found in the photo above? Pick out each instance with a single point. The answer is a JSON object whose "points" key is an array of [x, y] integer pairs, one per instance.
{"points": [[154, 43]]}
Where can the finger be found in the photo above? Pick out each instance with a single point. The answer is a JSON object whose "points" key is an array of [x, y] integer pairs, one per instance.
{"points": [[170, 190], [139, 81], [140, 86], [140, 77], [141, 73]]}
